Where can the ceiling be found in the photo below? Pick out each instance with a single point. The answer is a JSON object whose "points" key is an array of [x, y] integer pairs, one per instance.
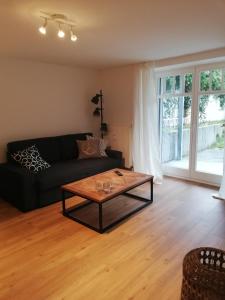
{"points": [[112, 32]]}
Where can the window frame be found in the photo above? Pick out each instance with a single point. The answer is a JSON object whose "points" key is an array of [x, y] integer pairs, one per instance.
{"points": [[173, 171], [195, 69]]}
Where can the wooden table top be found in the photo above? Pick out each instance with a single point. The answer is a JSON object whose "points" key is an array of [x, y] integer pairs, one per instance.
{"points": [[86, 188]]}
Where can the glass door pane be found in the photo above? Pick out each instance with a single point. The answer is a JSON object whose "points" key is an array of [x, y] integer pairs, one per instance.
{"points": [[175, 131], [210, 135]]}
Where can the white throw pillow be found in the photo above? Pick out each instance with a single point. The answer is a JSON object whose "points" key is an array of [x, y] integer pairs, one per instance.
{"points": [[31, 159]]}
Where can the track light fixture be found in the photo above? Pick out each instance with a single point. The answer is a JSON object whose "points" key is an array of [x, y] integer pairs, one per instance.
{"points": [[42, 29], [61, 20], [73, 36], [61, 33]]}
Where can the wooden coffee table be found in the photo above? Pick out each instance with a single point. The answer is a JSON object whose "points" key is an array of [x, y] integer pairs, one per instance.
{"points": [[120, 185]]}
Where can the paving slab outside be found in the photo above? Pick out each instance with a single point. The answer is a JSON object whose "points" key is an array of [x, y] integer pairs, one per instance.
{"points": [[208, 161]]}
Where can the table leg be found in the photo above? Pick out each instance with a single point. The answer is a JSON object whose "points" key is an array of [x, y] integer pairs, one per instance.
{"points": [[100, 217], [151, 196], [63, 201]]}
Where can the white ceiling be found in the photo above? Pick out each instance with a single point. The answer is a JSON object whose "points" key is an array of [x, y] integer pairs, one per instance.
{"points": [[112, 32]]}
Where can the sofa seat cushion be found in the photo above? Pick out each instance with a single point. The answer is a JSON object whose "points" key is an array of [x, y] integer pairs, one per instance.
{"points": [[65, 172]]}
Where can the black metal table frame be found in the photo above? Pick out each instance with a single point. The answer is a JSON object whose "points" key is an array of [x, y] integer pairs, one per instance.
{"points": [[67, 212]]}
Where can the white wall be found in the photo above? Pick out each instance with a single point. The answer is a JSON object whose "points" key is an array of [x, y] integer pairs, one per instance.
{"points": [[118, 86], [38, 99]]}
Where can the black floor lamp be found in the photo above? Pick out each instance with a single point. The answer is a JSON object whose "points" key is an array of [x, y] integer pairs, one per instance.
{"points": [[98, 112]]}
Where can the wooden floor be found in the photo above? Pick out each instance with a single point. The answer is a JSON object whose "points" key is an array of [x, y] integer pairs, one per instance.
{"points": [[44, 255]]}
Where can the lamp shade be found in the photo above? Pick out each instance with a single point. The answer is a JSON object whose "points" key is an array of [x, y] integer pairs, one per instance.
{"points": [[95, 99], [104, 127], [96, 112]]}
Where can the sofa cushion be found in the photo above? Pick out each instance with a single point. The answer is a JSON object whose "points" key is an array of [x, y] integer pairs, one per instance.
{"points": [[48, 147], [102, 144], [89, 148], [68, 145], [65, 172]]}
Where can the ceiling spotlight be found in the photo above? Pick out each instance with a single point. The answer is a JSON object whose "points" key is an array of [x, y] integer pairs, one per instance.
{"points": [[42, 29], [61, 33], [73, 37], [62, 22]]}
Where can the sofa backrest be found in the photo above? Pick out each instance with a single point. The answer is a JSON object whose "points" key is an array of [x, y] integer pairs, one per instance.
{"points": [[48, 147], [68, 145], [52, 149]]}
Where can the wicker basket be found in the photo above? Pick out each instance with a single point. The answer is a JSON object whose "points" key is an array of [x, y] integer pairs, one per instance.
{"points": [[204, 275]]}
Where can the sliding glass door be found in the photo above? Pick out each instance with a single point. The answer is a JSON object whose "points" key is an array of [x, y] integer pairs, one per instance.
{"points": [[175, 93], [208, 147], [191, 122]]}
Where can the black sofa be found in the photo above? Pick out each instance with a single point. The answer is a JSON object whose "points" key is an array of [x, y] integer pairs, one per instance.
{"points": [[26, 190]]}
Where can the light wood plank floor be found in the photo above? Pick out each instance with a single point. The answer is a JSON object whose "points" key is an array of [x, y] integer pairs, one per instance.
{"points": [[44, 255]]}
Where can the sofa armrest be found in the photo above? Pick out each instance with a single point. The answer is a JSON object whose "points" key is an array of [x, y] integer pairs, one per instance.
{"points": [[18, 186], [114, 154]]}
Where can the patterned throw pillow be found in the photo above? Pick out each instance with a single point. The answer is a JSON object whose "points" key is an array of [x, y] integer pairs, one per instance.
{"points": [[102, 145], [31, 159], [88, 149]]}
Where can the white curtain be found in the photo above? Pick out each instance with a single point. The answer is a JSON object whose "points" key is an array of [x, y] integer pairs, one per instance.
{"points": [[221, 194], [146, 157]]}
